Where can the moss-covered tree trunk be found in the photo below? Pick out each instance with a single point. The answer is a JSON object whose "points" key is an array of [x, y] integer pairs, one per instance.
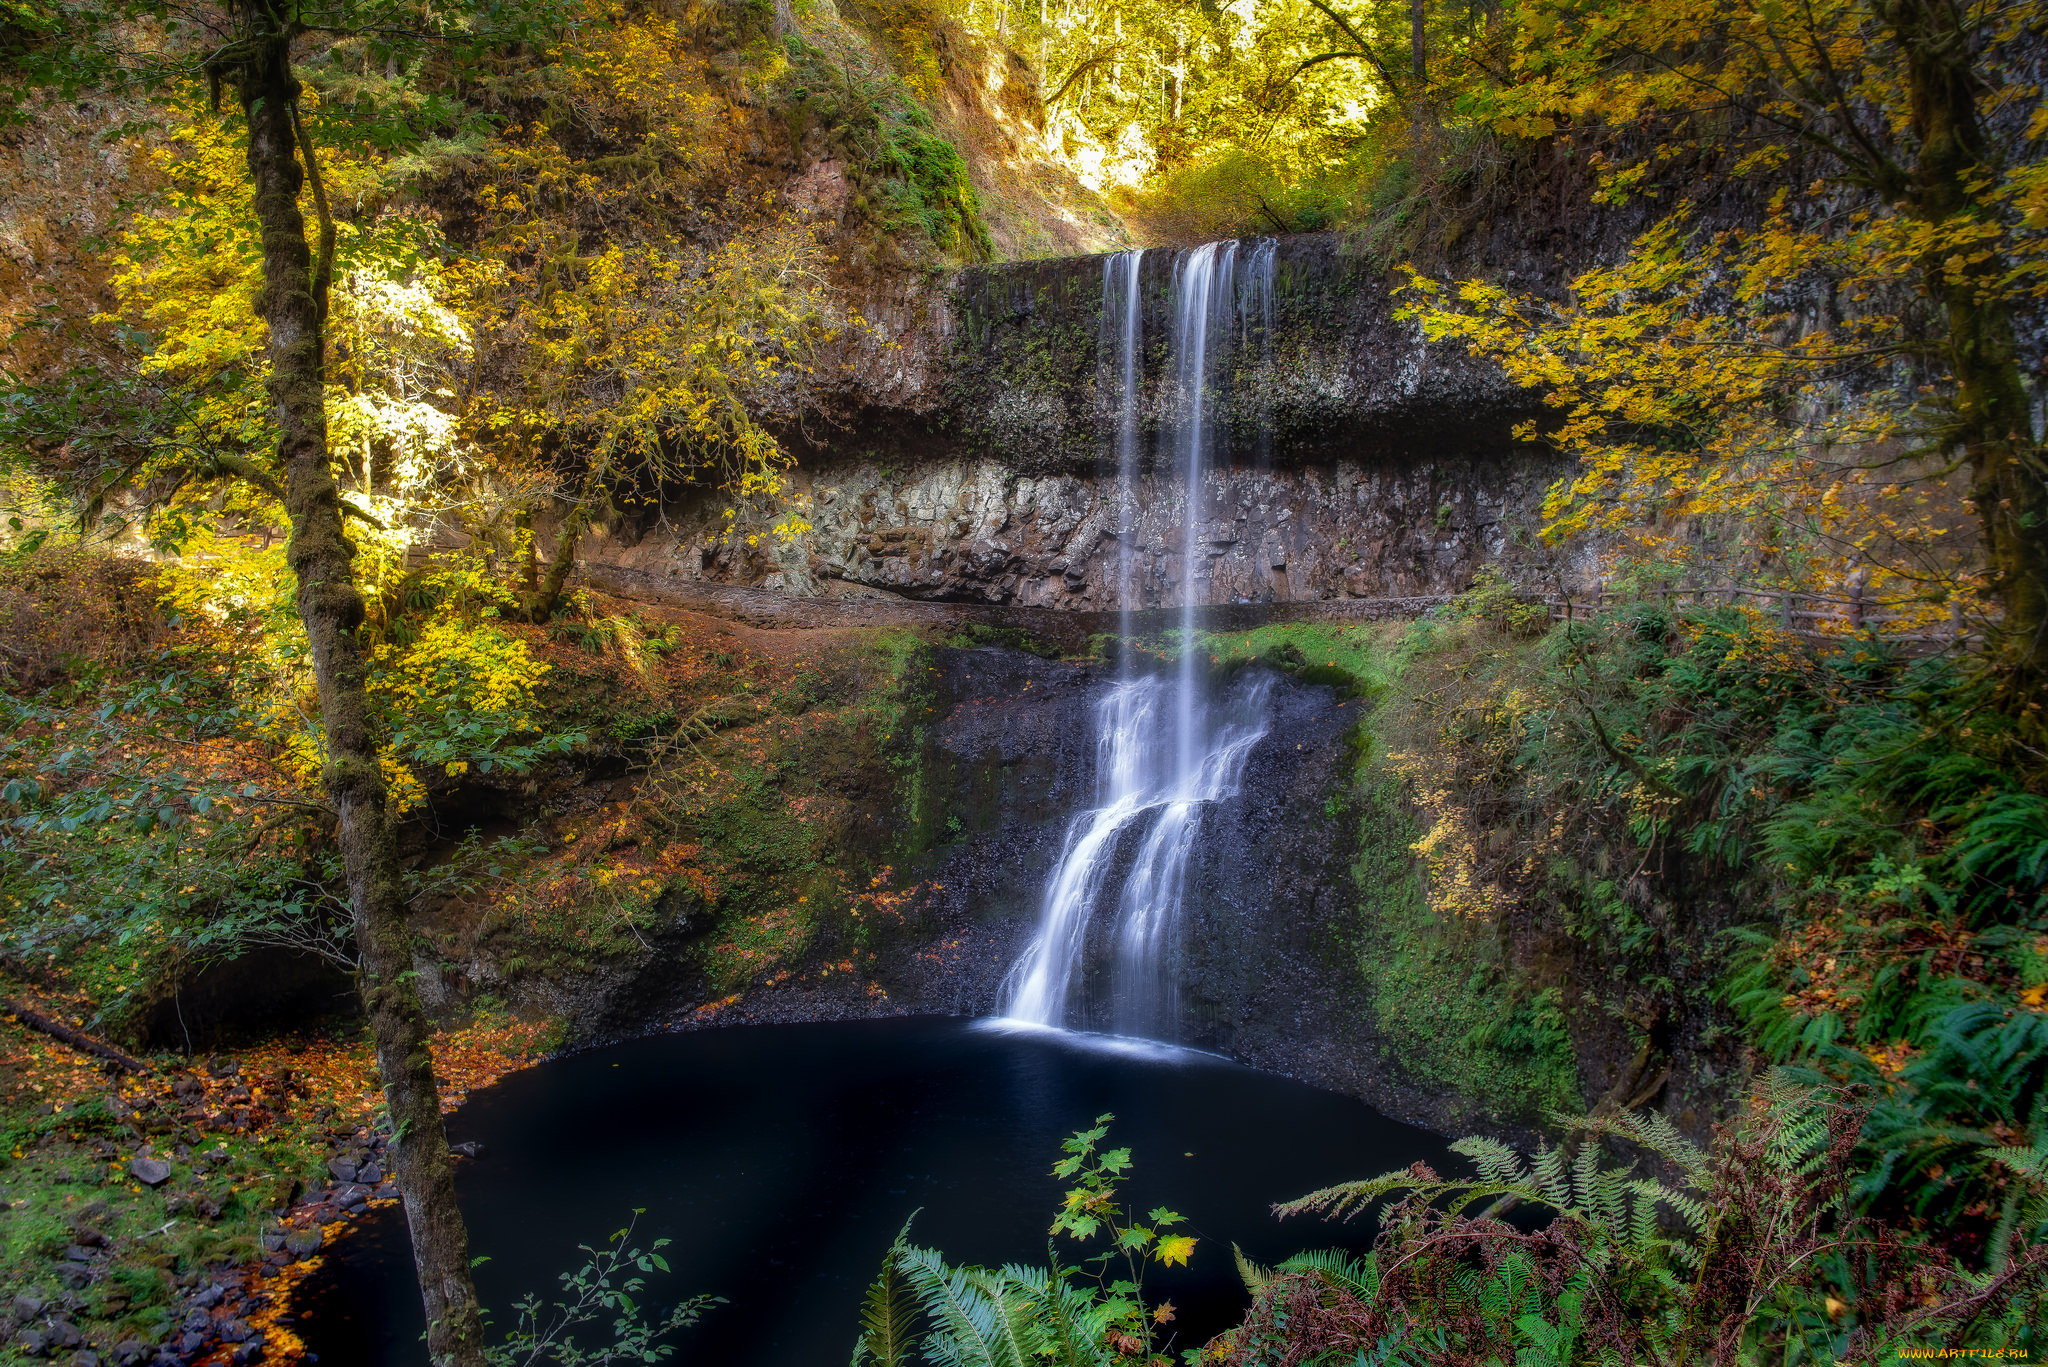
{"points": [[332, 609], [1993, 422]]}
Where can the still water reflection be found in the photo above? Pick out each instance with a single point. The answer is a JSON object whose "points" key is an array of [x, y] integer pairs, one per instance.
{"points": [[780, 1160]]}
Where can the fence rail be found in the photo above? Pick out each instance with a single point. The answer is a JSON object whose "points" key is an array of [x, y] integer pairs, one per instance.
{"points": [[1853, 614]]}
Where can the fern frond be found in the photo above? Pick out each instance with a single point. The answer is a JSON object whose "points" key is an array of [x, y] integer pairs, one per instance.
{"points": [[1358, 1276], [1586, 1180], [1348, 1198], [1496, 1161], [969, 1328], [1552, 1179], [1254, 1277], [1652, 1130], [888, 1317]]}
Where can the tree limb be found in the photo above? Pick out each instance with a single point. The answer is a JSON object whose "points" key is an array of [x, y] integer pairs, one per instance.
{"points": [[84, 1043], [1082, 70], [1364, 49], [323, 273]]}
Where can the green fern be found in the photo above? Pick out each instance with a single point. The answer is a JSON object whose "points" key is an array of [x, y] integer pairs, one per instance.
{"points": [[973, 1323], [1359, 1276], [1255, 1278], [888, 1318]]}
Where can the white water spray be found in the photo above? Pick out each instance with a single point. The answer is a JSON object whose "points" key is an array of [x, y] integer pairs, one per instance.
{"points": [[1134, 846]]}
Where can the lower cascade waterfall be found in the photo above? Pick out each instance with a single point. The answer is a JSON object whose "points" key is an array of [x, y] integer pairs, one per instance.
{"points": [[1132, 849]]}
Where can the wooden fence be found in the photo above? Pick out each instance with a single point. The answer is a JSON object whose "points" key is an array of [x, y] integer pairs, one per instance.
{"points": [[1806, 615]]}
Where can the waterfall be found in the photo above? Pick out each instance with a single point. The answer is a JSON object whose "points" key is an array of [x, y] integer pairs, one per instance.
{"points": [[1122, 334], [1153, 778], [1201, 289], [1134, 846]]}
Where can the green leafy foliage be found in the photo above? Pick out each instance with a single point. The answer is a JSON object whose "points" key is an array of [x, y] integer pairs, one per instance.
{"points": [[1020, 1316], [1751, 1252], [610, 1283]]}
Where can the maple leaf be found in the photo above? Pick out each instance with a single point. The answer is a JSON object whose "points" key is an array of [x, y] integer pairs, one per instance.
{"points": [[1174, 1249], [1164, 1314]]}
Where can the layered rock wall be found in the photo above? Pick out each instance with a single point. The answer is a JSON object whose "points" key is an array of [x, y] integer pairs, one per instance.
{"points": [[1349, 458], [980, 530]]}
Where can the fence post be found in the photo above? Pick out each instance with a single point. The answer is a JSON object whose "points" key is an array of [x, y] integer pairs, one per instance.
{"points": [[1858, 582]]}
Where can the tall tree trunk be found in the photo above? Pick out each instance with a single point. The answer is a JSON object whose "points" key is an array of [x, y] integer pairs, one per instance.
{"points": [[332, 609], [1418, 53], [1993, 418], [542, 601]]}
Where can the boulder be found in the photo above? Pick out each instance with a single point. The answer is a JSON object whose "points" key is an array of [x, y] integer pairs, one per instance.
{"points": [[151, 1172]]}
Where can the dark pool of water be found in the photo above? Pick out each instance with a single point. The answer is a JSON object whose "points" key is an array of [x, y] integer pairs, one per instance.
{"points": [[780, 1160]]}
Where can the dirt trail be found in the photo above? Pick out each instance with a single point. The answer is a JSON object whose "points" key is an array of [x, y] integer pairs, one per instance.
{"points": [[779, 624]]}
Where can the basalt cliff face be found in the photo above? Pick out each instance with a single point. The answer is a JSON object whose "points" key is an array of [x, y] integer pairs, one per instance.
{"points": [[974, 457]]}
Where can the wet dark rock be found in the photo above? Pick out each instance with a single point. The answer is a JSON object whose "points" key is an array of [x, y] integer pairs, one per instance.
{"points": [[32, 1342], [273, 1239], [63, 1334], [131, 1353], [74, 1253], [211, 1296], [85, 1357], [469, 1148], [370, 1173], [302, 1243], [342, 1169], [1010, 756], [151, 1172], [27, 1307], [235, 1331], [191, 1342]]}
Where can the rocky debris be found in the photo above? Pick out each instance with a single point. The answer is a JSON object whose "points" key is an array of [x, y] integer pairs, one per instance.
{"points": [[216, 1326], [151, 1172]]}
